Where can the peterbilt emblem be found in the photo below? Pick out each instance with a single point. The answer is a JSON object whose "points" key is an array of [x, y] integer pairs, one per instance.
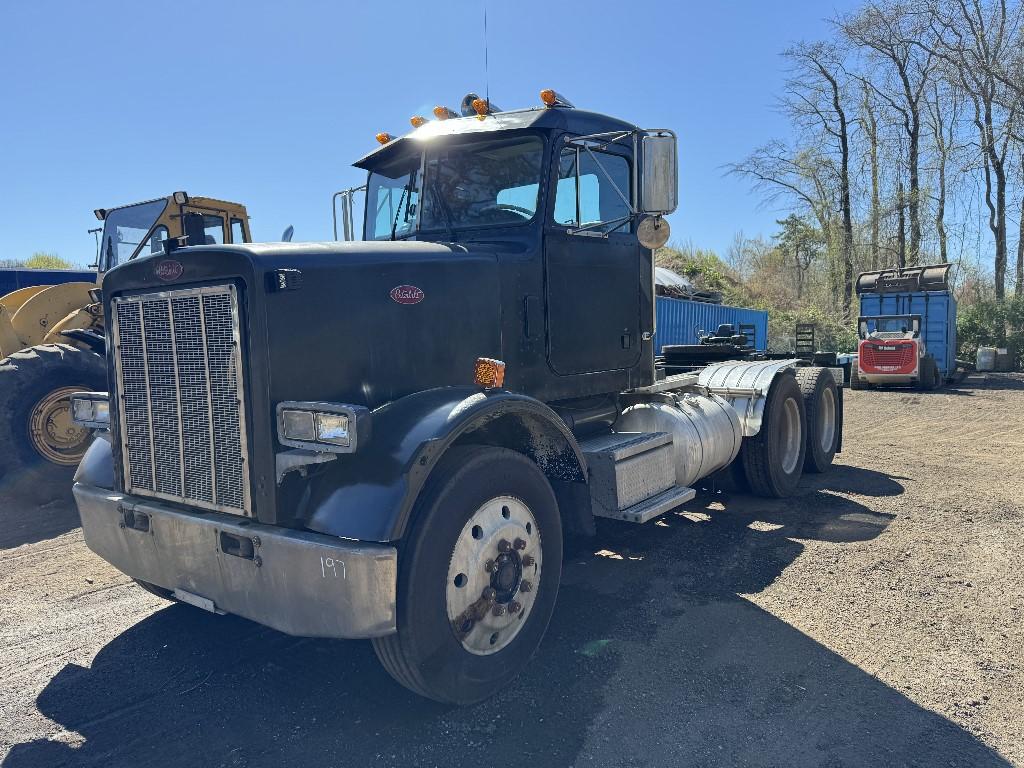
{"points": [[168, 269], [407, 294]]}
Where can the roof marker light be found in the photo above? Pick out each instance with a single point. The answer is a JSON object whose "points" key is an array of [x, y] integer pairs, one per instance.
{"points": [[443, 113], [417, 120], [481, 107], [553, 98], [384, 137]]}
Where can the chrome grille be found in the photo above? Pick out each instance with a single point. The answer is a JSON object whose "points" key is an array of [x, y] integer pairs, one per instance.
{"points": [[178, 361]]}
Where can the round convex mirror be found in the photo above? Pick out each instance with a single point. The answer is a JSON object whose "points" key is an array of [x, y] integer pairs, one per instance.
{"points": [[653, 232]]}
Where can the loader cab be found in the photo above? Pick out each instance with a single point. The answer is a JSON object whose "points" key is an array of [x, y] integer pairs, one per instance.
{"points": [[889, 327], [140, 229], [569, 202]]}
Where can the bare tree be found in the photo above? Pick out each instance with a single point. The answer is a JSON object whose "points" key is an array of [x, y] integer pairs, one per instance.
{"points": [[979, 42], [818, 177], [943, 106], [869, 125], [888, 30]]}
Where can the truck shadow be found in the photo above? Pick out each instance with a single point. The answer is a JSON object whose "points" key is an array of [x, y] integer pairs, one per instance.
{"points": [[654, 657], [22, 522]]}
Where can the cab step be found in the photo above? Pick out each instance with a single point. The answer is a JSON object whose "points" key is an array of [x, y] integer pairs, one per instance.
{"points": [[632, 476]]}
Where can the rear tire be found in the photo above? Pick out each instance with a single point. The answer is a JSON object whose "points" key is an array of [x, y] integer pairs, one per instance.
{"points": [[821, 403], [39, 444], [773, 459], [454, 660], [855, 380]]}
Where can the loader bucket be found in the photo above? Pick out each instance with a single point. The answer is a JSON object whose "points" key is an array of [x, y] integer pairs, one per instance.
{"points": [[36, 316], [929, 277]]}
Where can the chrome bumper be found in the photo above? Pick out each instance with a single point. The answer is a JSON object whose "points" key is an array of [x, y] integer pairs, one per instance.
{"points": [[298, 582]]}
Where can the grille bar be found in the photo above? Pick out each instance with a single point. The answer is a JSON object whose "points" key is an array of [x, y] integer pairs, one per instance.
{"points": [[181, 406]]}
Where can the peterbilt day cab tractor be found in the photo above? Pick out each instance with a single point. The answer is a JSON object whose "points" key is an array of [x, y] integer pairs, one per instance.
{"points": [[907, 328], [392, 439], [52, 339]]}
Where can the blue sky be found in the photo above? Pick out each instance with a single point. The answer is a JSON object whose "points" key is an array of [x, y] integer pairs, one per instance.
{"points": [[266, 103]]}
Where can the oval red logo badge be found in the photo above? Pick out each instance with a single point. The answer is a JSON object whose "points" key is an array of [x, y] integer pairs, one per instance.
{"points": [[168, 269], [407, 294]]}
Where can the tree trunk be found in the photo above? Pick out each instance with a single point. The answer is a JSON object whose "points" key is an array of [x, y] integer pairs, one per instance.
{"points": [[901, 228], [876, 204], [915, 186], [1018, 286]]}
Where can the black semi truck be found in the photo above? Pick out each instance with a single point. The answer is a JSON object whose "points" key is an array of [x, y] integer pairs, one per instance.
{"points": [[393, 438]]}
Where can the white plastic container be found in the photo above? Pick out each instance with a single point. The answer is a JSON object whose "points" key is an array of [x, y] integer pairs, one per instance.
{"points": [[986, 360]]}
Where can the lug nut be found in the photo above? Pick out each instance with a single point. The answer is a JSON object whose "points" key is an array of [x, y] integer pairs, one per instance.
{"points": [[515, 607], [504, 546], [489, 594], [498, 610], [489, 566], [528, 561], [520, 544], [525, 586]]}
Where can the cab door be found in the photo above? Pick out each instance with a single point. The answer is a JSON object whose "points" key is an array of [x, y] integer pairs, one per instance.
{"points": [[593, 265]]}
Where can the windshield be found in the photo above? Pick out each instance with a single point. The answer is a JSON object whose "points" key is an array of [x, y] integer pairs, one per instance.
{"points": [[482, 183], [124, 230], [893, 325]]}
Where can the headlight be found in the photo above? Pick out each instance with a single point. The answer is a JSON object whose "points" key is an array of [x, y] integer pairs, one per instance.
{"points": [[322, 426], [91, 410]]}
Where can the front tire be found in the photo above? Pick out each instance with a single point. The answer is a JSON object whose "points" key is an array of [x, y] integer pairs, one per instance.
{"points": [[40, 444], [773, 459], [453, 645]]}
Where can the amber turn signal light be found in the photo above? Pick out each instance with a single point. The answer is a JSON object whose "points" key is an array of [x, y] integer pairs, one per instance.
{"points": [[490, 373], [549, 97], [383, 138], [417, 120], [481, 107], [443, 113]]}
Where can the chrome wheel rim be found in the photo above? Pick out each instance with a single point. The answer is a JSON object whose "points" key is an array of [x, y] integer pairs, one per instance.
{"points": [[827, 420], [54, 435], [493, 575], [790, 435]]}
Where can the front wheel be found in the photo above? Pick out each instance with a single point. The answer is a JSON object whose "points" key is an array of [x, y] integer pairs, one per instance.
{"points": [[40, 445], [478, 576]]}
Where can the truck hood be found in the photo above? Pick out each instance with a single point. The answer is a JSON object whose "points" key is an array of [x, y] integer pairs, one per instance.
{"points": [[360, 323]]}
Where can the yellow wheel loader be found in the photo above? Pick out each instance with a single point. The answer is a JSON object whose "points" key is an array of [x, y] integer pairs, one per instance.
{"points": [[52, 340]]}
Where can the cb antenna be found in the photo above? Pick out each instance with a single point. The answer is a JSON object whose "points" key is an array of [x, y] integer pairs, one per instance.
{"points": [[487, 78]]}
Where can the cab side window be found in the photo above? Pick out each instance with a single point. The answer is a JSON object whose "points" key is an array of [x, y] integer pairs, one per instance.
{"points": [[237, 231], [587, 194], [213, 229]]}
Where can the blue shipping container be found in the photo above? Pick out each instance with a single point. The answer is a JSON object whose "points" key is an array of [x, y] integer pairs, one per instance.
{"points": [[13, 279], [679, 321], [938, 320]]}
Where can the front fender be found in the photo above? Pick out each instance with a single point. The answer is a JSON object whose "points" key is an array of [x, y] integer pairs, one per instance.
{"points": [[97, 465], [369, 495]]}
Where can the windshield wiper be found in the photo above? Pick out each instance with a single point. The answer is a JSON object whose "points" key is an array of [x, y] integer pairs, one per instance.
{"points": [[398, 211], [441, 203]]}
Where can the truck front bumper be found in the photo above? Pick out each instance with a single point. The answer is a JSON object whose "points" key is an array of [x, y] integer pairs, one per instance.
{"points": [[298, 582]]}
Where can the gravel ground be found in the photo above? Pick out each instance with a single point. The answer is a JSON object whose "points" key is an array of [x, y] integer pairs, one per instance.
{"points": [[875, 619]]}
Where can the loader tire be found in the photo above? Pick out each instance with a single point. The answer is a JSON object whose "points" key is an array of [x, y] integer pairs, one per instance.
{"points": [[773, 459], [40, 445], [821, 402], [478, 573]]}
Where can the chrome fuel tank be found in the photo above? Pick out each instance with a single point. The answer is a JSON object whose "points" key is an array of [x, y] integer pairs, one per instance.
{"points": [[705, 429]]}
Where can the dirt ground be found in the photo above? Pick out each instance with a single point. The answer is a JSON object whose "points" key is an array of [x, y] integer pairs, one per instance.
{"points": [[875, 619]]}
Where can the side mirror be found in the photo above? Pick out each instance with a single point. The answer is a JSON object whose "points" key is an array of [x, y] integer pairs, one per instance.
{"points": [[659, 186]]}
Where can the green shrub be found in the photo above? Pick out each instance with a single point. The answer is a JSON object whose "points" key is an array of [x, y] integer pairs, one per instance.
{"points": [[988, 323]]}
